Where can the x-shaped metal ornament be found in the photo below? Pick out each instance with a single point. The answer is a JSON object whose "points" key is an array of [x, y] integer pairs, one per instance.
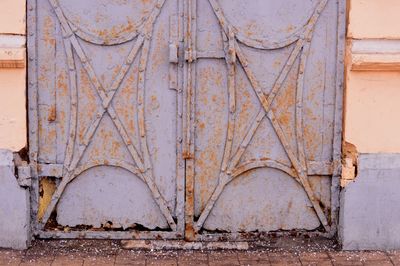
{"points": [[143, 164], [230, 163]]}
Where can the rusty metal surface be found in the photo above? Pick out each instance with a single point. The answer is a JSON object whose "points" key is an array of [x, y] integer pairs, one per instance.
{"points": [[107, 115], [265, 116], [184, 118]]}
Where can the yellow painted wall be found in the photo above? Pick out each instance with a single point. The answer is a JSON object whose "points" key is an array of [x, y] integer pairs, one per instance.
{"points": [[12, 109], [372, 99], [374, 19], [373, 112], [12, 16], [12, 80]]}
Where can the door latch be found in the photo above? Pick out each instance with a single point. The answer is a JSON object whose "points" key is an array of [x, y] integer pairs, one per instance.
{"points": [[173, 53]]}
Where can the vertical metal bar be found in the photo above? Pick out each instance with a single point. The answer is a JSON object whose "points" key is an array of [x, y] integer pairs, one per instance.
{"points": [[173, 48], [33, 107], [189, 85], [188, 149], [180, 163], [46, 57], [337, 137], [62, 79]]}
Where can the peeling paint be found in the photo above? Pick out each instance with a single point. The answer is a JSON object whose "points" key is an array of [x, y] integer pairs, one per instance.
{"points": [[349, 163], [47, 187]]}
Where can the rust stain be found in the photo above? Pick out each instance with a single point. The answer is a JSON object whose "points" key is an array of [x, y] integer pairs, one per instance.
{"points": [[48, 32], [62, 86], [251, 28], [52, 113], [88, 108], [117, 31], [158, 54], [154, 102]]}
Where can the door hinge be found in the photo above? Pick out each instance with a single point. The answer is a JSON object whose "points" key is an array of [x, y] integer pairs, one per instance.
{"points": [[190, 55]]}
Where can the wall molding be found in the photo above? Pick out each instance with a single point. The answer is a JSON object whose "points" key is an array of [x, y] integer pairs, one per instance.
{"points": [[12, 51], [375, 55]]}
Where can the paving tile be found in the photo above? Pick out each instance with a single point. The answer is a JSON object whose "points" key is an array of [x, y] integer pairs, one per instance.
{"points": [[75, 253], [37, 256], [257, 262], [223, 258], [68, 260], [253, 256], [189, 258], [162, 258], [128, 257], [39, 261], [10, 257], [99, 260], [394, 257], [164, 261], [324, 262], [315, 258], [346, 258], [278, 258], [376, 258]]}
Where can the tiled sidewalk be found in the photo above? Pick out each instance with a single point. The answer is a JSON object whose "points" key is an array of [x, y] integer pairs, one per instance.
{"points": [[110, 253]]}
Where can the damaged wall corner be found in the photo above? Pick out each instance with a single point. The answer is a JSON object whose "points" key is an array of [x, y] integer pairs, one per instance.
{"points": [[349, 163], [14, 206], [369, 212]]}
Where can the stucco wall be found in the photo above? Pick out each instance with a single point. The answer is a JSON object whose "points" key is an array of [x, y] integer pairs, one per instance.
{"points": [[372, 103], [12, 75], [12, 16], [374, 19]]}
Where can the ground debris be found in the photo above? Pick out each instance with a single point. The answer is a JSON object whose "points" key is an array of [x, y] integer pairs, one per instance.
{"points": [[282, 251]]}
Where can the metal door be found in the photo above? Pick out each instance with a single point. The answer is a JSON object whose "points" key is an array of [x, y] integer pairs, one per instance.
{"points": [[104, 125], [172, 118], [262, 140]]}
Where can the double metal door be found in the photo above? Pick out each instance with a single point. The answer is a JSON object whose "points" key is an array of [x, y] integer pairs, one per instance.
{"points": [[184, 118]]}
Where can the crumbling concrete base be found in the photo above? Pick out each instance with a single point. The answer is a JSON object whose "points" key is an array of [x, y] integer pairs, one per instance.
{"points": [[370, 206], [14, 206]]}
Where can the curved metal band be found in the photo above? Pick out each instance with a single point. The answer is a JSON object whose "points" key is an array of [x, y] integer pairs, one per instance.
{"points": [[266, 44], [262, 42], [251, 165], [107, 39], [79, 170]]}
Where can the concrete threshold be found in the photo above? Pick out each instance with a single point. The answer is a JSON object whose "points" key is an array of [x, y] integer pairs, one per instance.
{"points": [[182, 245]]}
